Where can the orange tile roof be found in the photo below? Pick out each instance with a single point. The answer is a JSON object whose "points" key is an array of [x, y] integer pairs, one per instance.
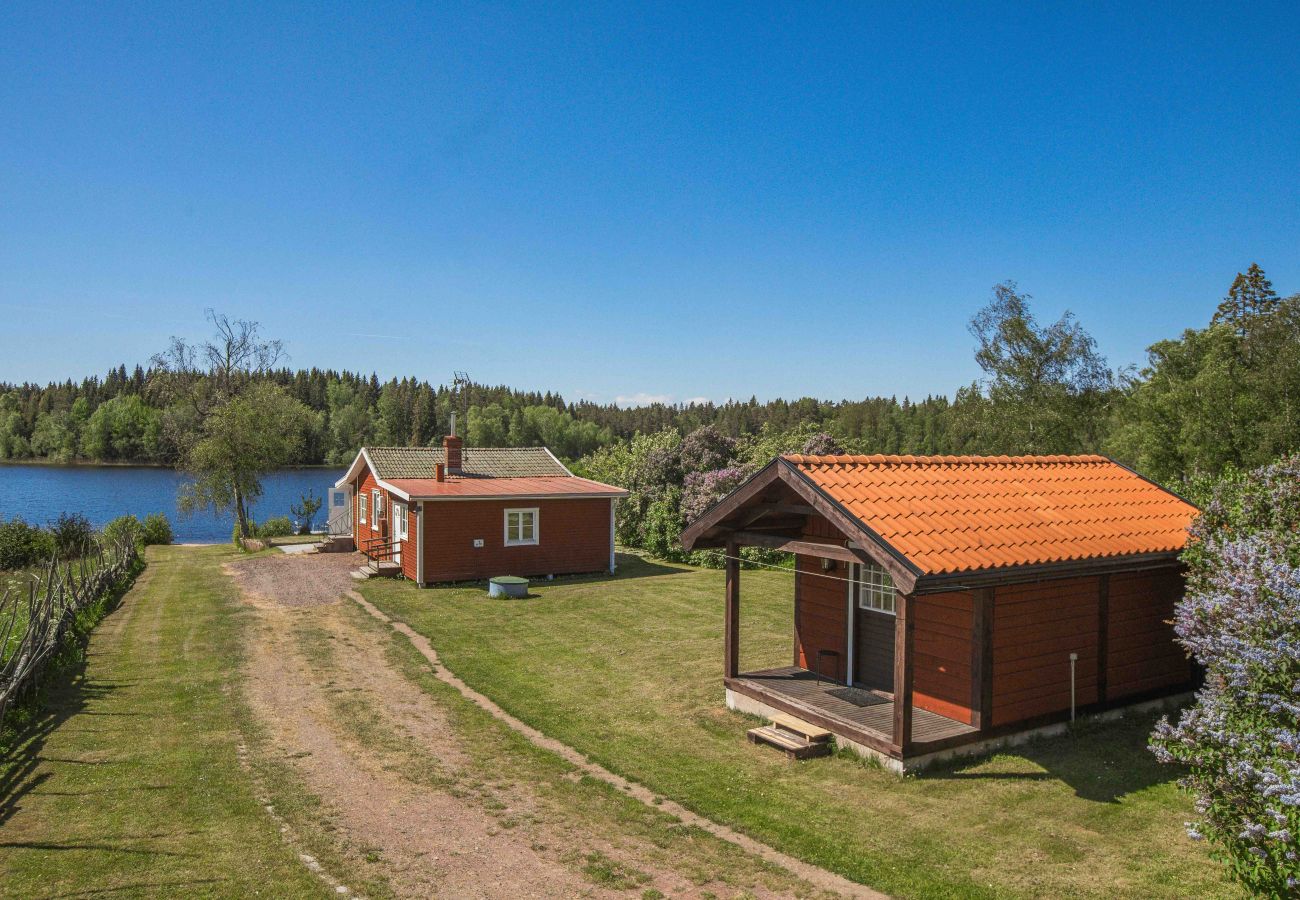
{"points": [[965, 513]]}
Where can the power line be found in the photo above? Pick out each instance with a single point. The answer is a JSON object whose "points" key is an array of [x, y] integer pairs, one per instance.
{"points": [[754, 562]]}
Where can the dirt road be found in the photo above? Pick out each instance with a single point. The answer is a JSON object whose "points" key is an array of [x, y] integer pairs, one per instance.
{"points": [[398, 785]]}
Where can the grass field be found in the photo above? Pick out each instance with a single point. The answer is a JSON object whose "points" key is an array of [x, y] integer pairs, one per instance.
{"points": [[128, 784], [629, 671]]}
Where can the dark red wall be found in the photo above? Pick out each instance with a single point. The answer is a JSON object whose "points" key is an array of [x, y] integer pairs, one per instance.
{"points": [[574, 537], [1141, 653], [1035, 628], [941, 649], [820, 614], [821, 604]]}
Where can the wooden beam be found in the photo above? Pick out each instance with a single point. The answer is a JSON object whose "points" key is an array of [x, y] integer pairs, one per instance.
{"points": [[981, 657], [900, 569], [754, 487], [789, 545], [732, 625], [969, 581], [769, 507], [798, 601], [1103, 635], [904, 630]]}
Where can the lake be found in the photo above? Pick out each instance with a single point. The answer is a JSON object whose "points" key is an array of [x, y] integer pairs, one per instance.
{"points": [[102, 493]]}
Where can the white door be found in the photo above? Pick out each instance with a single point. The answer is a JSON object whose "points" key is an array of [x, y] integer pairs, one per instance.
{"points": [[398, 531], [339, 516]]}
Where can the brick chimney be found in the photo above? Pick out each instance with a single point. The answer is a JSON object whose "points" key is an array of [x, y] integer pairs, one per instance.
{"points": [[451, 446]]}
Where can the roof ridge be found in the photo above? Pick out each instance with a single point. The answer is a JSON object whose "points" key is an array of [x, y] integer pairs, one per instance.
{"points": [[857, 459], [439, 447]]}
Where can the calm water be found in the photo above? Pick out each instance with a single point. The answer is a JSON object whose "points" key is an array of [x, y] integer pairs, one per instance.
{"points": [[102, 493]]}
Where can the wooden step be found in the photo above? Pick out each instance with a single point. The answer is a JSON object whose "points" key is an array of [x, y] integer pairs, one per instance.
{"points": [[792, 745], [806, 730]]}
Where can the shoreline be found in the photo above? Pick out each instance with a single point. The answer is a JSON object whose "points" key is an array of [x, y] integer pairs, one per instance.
{"points": [[91, 464]]}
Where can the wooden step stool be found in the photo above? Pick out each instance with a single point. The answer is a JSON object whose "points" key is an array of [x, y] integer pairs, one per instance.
{"points": [[795, 737]]}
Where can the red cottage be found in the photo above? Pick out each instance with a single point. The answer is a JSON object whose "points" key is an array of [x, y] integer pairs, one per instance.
{"points": [[955, 601], [455, 513]]}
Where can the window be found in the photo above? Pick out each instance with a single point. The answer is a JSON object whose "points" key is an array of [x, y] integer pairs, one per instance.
{"points": [[361, 508], [399, 521], [376, 508], [521, 527], [875, 588]]}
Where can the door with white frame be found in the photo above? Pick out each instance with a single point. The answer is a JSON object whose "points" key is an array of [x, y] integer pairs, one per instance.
{"points": [[339, 516], [398, 532]]}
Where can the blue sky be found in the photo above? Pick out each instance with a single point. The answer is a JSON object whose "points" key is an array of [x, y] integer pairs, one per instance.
{"points": [[672, 201]]}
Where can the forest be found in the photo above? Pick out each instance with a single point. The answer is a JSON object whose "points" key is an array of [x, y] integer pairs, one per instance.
{"points": [[1220, 397]]}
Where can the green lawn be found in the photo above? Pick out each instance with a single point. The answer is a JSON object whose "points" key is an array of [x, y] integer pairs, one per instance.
{"points": [[629, 671], [127, 783]]}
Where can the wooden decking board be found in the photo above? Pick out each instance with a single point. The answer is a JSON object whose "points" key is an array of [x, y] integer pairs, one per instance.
{"points": [[855, 706]]}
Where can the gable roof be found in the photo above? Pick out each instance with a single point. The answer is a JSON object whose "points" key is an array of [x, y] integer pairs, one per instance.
{"points": [[948, 515], [516, 473], [389, 463]]}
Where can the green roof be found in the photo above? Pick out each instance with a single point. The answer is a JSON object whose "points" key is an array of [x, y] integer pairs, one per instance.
{"points": [[476, 462]]}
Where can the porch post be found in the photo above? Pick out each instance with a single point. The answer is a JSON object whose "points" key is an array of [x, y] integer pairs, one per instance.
{"points": [[732, 626], [981, 658], [903, 631], [1103, 637]]}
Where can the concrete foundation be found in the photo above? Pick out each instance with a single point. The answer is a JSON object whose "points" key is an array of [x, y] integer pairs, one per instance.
{"points": [[746, 704]]}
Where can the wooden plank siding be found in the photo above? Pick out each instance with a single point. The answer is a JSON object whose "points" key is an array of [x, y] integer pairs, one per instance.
{"points": [[573, 538], [365, 482], [410, 554], [1035, 629], [873, 655], [1141, 652], [941, 654], [820, 615]]}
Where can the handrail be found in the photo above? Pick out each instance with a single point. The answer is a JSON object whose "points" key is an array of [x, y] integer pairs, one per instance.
{"points": [[379, 548]]}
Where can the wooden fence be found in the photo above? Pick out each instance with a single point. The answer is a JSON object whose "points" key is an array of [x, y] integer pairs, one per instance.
{"points": [[35, 620]]}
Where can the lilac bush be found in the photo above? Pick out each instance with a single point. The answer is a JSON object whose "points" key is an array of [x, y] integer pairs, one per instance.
{"points": [[706, 449], [823, 444], [700, 490], [1240, 620]]}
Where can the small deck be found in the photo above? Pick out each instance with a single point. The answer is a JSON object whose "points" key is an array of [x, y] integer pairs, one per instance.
{"points": [[855, 713]]}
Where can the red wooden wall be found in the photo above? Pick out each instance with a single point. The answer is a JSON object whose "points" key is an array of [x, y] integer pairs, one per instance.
{"points": [[941, 653], [1141, 653], [821, 608], [574, 537], [1035, 628], [821, 604]]}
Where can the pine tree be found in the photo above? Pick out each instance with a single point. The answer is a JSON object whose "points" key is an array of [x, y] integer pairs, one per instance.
{"points": [[1250, 296]]}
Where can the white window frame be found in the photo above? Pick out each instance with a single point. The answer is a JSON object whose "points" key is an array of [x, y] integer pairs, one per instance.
{"points": [[875, 589], [376, 508], [361, 507], [400, 531], [532, 511]]}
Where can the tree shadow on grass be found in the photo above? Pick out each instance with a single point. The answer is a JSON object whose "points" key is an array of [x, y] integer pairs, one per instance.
{"points": [[1101, 761]]}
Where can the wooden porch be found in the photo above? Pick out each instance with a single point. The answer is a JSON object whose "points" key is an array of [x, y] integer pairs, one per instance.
{"points": [[863, 716]]}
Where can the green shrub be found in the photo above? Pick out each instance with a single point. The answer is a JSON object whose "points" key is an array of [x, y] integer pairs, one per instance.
{"points": [[73, 535], [279, 526], [156, 530], [121, 528], [22, 545]]}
